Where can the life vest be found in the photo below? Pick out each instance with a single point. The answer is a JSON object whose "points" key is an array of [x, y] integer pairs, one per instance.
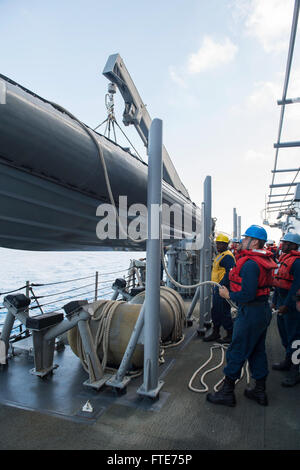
{"points": [[273, 248], [233, 248], [218, 272], [266, 266], [236, 253], [283, 278]]}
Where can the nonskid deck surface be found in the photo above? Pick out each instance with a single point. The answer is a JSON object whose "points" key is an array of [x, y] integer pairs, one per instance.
{"points": [[63, 394], [47, 414]]}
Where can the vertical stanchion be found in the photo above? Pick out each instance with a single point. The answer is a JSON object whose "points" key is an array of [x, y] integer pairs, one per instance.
{"points": [[234, 223], [201, 330], [207, 247], [171, 254], [205, 261], [96, 285], [27, 291], [239, 227], [151, 385]]}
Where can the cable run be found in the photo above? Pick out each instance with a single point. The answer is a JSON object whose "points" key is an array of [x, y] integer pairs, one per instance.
{"points": [[15, 290], [63, 292], [65, 298], [193, 286], [60, 282]]}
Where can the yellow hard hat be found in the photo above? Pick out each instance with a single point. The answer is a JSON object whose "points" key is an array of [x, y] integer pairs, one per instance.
{"points": [[222, 238]]}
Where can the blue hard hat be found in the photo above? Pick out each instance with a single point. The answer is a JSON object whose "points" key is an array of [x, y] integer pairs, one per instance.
{"points": [[235, 240], [256, 231], [291, 237], [241, 240]]}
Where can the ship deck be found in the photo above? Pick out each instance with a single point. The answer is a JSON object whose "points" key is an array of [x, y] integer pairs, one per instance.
{"points": [[46, 414]]}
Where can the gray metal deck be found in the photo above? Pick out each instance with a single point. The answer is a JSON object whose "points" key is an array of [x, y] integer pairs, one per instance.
{"points": [[46, 414]]}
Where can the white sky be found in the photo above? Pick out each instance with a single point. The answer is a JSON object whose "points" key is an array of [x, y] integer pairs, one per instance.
{"points": [[212, 70]]}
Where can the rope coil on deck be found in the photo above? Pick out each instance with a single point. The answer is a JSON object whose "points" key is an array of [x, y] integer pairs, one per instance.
{"points": [[223, 348]]}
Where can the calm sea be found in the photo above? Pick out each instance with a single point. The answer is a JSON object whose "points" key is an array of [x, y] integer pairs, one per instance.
{"points": [[17, 267]]}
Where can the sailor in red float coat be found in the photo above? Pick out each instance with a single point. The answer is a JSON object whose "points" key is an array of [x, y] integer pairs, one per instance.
{"points": [[252, 278], [287, 283], [266, 267], [284, 278]]}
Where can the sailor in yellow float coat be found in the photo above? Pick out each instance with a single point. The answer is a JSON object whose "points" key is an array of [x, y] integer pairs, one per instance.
{"points": [[220, 312]]}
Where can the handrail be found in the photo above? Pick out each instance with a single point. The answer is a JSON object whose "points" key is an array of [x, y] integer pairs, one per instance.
{"points": [[283, 102], [102, 288]]}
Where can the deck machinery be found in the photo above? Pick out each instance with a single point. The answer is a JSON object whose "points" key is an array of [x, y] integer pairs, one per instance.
{"points": [[58, 178]]}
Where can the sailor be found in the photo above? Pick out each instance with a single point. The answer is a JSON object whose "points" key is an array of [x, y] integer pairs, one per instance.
{"points": [[238, 249], [250, 282], [272, 247], [279, 250], [287, 283], [221, 310], [233, 246]]}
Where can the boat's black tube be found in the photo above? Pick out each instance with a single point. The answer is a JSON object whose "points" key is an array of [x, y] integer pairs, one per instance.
{"points": [[45, 143]]}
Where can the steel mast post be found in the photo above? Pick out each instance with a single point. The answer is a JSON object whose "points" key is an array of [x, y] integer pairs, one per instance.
{"points": [[151, 386], [201, 328], [208, 245], [239, 223], [205, 265], [234, 223]]}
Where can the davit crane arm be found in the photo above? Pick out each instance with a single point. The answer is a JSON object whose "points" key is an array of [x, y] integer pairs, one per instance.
{"points": [[135, 113]]}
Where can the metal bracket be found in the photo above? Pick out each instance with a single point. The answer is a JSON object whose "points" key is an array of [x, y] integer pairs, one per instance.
{"points": [[97, 384], [44, 372], [120, 384], [2, 352], [152, 393]]}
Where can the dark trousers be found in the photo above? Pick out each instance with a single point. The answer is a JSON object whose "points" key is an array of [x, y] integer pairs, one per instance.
{"points": [[248, 341], [289, 329], [220, 312]]}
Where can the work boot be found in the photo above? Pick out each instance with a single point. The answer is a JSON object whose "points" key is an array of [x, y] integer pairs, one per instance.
{"points": [[258, 393], [225, 396], [283, 365], [207, 324], [228, 338], [293, 377], [214, 335]]}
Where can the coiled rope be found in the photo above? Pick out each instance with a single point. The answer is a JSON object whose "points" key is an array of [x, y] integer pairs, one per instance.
{"points": [[205, 389], [104, 317], [179, 319]]}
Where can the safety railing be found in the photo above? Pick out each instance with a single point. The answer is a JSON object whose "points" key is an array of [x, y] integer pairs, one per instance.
{"points": [[281, 203], [45, 298]]}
